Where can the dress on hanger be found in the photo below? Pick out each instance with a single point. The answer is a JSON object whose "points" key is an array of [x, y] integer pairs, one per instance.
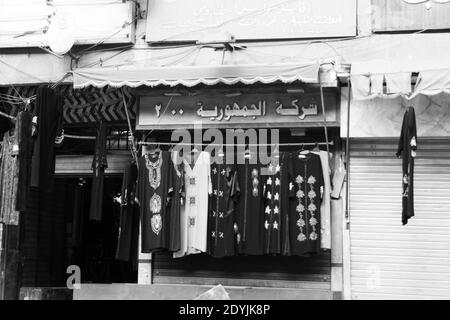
{"points": [[194, 212], [221, 220], [306, 191], [276, 205], [154, 191], [249, 211], [407, 147]]}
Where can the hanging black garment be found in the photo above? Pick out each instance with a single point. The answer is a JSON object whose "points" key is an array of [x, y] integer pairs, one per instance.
{"points": [[25, 144], [276, 205], [177, 200], [306, 191], [99, 164], [407, 147], [128, 241], [155, 190], [249, 211], [221, 218], [49, 113]]}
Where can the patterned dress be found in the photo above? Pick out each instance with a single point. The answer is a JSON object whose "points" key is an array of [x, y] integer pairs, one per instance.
{"points": [[221, 221], [407, 147], [194, 213], [276, 205], [155, 189], [306, 191]]}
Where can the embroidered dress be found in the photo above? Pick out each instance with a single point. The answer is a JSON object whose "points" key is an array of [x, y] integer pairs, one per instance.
{"points": [[194, 212], [249, 211], [306, 190], [155, 190], [225, 187], [407, 147], [276, 205]]}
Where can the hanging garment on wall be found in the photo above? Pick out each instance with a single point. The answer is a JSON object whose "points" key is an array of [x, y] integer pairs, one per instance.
{"points": [[176, 202], [155, 189], [325, 207], [49, 113], [407, 147], [306, 192], [249, 211], [276, 205], [99, 164], [194, 213], [128, 238], [25, 143], [221, 220], [8, 181]]}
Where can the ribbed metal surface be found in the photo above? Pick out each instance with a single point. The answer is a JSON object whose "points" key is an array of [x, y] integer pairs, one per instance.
{"points": [[388, 260]]}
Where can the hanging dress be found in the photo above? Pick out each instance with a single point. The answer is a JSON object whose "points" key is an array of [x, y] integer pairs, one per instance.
{"points": [[154, 192], [194, 213], [306, 192], [221, 231], [276, 205], [249, 211]]}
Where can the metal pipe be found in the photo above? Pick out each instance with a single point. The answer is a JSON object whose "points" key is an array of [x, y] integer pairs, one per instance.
{"points": [[347, 153], [237, 144]]}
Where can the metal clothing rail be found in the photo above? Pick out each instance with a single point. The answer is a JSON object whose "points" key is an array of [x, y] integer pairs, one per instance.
{"points": [[239, 144]]}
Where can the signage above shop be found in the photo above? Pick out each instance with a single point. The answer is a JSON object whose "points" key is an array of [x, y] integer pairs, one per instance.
{"points": [[217, 20], [224, 109]]}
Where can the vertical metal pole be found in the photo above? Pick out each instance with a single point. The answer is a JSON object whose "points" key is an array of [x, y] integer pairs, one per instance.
{"points": [[347, 153]]}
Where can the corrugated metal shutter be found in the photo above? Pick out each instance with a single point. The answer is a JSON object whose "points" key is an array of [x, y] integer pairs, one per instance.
{"points": [[255, 271], [388, 260]]}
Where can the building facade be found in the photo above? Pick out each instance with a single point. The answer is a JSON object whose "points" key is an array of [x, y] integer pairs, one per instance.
{"points": [[148, 69]]}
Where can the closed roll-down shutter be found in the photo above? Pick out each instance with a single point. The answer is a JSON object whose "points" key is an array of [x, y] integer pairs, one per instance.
{"points": [[388, 260]]}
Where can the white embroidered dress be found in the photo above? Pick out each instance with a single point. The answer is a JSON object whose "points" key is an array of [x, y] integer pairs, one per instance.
{"points": [[194, 212]]}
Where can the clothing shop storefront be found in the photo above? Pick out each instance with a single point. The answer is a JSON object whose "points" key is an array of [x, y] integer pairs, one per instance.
{"points": [[228, 223], [394, 255], [66, 218]]}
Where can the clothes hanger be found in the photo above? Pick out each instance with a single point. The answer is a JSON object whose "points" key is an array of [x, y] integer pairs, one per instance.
{"points": [[248, 153], [316, 147], [302, 153]]}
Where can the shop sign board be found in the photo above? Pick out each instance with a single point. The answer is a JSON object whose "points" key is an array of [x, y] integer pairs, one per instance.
{"points": [[210, 20], [229, 109]]}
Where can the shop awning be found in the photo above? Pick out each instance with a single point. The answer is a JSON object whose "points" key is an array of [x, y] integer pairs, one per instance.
{"points": [[193, 75], [203, 64], [393, 78]]}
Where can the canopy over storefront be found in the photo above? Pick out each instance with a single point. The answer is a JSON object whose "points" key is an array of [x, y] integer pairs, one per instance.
{"points": [[193, 75], [205, 64]]}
